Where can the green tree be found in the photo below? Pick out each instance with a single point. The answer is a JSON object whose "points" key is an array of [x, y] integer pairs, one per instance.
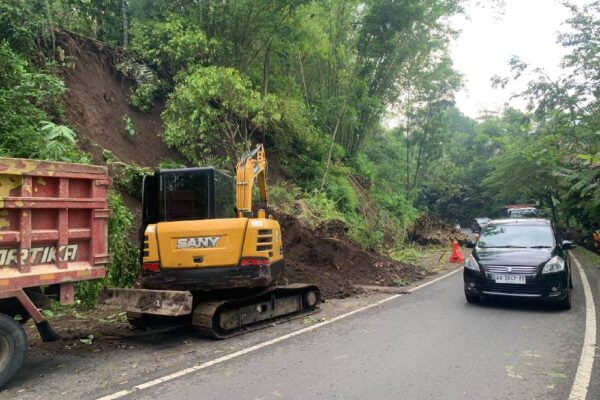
{"points": [[216, 108]]}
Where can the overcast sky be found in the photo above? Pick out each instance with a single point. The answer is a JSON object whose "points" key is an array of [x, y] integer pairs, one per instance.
{"points": [[526, 28]]}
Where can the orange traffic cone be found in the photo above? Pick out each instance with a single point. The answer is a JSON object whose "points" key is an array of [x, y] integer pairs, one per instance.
{"points": [[457, 255]]}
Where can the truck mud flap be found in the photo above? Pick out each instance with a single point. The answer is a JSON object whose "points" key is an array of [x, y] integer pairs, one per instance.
{"points": [[170, 303]]}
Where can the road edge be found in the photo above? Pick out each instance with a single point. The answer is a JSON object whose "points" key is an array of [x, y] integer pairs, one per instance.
{"points": [[583, 376], [207, 364]]}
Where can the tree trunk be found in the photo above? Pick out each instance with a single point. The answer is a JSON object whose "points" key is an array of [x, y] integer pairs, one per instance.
{"points": [[266, 70], [49, 16], [552, 208], [407, 134], [418, 162], [303, 79], [124, 9], [337, 124]]}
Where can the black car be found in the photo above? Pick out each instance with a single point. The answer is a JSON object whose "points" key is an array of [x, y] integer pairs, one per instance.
{"points": [[478, 224], [519, 258]]}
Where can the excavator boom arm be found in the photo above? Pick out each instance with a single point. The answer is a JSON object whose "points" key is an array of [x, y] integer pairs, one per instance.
{"points": [[251, 168]]}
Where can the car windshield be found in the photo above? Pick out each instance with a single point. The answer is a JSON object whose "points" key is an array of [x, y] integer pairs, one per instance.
{"points": [[522, 212], [503, 235]]}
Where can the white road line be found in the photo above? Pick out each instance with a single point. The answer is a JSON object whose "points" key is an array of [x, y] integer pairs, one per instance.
{"points": [[586, 362], [242, 352]]}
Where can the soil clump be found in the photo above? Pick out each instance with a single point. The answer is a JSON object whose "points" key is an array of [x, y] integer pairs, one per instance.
{"points": [[326, 257], [433, 230]]}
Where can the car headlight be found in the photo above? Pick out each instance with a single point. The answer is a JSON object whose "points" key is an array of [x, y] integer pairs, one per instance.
{"points": [[555, 264], [471, 263]]}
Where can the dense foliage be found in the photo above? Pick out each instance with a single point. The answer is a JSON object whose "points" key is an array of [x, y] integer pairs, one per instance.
{"points": [[32, 123], [315, 81]]}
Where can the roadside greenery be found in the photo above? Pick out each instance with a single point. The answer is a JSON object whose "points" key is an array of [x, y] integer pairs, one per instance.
{"points": [[32, 123]]}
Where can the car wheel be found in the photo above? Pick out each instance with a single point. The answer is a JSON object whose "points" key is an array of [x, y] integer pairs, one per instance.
{"points": [[570, 282], [565, 304], [472, 298]]}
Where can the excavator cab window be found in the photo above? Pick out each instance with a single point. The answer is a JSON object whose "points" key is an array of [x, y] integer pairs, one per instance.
{"points": [[187, 194], [224, 195]]}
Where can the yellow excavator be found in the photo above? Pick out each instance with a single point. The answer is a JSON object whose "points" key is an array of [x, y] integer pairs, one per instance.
{"points": [[209, 256]]}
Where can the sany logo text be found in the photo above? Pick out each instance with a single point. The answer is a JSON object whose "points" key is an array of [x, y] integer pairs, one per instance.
{"points": [[197, 242]]}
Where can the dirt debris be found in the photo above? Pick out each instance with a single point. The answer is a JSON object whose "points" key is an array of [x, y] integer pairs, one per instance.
{"points": [[327, 258], [433, 230]]}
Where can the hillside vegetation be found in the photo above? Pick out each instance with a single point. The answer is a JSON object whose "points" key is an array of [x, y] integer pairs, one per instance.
{"points": [[315, 81]]}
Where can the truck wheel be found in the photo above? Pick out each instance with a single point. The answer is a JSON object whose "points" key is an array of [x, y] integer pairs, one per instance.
{"points": [[13, 348]]}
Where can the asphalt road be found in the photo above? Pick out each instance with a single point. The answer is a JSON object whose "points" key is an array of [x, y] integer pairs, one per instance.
{"points": [[429, 344]]}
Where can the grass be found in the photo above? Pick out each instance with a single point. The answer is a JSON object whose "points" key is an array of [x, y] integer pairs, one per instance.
{"points": [[400, 282], [407, 254], [589, 256]]}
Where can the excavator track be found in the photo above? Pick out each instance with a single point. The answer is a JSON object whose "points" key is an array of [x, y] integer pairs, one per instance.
{"points": [[224, 318]]}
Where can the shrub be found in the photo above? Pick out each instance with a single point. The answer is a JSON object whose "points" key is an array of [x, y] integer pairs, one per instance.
{"points": [[319, 208], [129, 127], [171, 46], [27, 96], [59, 142], [124, 265], [170, 164], [129, 178], [216, 110], [147, 83], [283, 197], [341, 191]]}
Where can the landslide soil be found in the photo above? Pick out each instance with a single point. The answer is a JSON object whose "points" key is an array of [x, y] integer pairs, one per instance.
{"points": [[433, 230], [326, 257], [97, 101]]}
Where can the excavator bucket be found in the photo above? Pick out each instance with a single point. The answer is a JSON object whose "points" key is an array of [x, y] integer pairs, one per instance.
{"points": [[170, 303]]}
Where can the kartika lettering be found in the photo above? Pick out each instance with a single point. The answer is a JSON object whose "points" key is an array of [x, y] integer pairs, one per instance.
{"points": [[38, 255]]}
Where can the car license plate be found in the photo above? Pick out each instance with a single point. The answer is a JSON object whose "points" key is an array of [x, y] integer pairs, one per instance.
{"points": [[518, 279]]}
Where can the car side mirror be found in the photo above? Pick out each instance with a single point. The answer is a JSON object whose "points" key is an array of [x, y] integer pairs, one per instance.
{"points": [[471, 244], [567, 245]]}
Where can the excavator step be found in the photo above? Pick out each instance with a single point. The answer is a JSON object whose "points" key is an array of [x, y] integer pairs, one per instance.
{"points": [[225, 318]]}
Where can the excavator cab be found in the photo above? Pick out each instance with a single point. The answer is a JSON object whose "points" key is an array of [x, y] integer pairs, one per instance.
{"points": [[187, 194], [193, 238]]}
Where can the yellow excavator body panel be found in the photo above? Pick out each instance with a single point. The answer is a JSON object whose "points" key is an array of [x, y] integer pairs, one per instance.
{"points": [[212, 243]]}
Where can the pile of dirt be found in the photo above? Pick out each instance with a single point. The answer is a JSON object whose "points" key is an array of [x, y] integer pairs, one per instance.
{"points": [[431, 229], [97, 101], [84, 331], [326, 257]]}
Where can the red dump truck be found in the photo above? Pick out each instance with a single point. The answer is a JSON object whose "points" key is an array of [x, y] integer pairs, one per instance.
{"points": [[53, 233]]}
